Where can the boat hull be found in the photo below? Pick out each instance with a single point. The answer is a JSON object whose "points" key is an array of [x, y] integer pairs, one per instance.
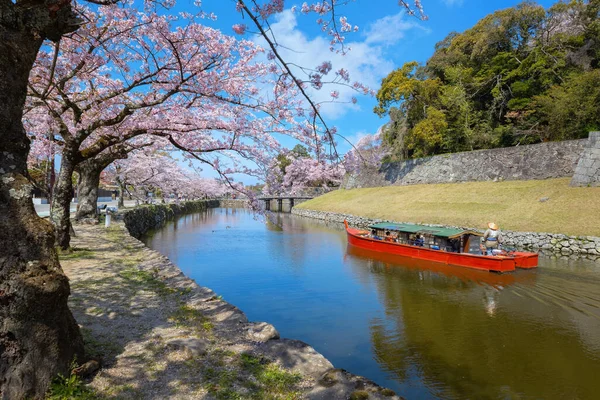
{"points": [[486, 263]]}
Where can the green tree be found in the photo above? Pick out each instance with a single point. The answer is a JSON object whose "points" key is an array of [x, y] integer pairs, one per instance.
{"points": [[520, 75], [427, 135], [571, 110]]}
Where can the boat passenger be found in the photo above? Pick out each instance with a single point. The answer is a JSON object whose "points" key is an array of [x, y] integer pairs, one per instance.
{"points": [[374, 235], [454, 245], [388, 237], [492, 238], [420, 240]]}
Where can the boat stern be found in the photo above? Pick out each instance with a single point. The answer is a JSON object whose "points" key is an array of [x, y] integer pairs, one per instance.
{"points": [[526, 260]]}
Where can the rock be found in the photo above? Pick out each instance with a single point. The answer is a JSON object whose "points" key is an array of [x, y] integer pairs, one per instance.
{"points": [[87, 369], [544, 199], [262, 332], [195, 347], [340, 384], [298, 356]]}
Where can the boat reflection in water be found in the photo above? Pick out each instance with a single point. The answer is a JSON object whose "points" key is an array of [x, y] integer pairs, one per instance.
{"points": [[466, 275], [470, 334]]}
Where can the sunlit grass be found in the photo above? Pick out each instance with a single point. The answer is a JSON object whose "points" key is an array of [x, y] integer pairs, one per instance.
{"points": [[514, 205], [74, 253]]}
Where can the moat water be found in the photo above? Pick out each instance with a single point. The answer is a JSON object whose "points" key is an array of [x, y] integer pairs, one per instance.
{"points": [[424, 330]]}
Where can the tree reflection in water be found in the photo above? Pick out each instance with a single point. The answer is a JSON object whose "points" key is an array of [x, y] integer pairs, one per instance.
{"points": [[473, 334]]}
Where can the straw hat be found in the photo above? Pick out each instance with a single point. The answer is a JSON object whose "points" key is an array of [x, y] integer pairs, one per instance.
{"points": [[493, 226]]}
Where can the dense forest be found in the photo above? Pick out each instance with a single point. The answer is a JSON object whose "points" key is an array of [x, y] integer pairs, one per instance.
{"points": [[520, 75]]}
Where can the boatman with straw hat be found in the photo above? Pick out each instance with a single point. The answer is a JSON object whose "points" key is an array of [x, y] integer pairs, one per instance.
{"points": [[492, 238]]}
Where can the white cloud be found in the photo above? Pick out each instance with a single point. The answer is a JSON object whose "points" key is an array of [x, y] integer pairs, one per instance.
{"points": [[451, 3], [367, 62], [388, 30]]}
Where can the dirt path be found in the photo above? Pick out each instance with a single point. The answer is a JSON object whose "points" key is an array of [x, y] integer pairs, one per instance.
{"points": [[161, 336]]}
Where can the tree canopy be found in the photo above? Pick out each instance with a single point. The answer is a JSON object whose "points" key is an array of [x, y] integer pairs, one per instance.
{"points": [[520, 75]]}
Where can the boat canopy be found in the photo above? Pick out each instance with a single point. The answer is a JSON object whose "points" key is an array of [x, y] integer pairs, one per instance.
{"points": [[449, 233]]}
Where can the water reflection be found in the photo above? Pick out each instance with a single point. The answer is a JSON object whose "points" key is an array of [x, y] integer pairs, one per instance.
{"points": [[421, 328], [467, 334]]}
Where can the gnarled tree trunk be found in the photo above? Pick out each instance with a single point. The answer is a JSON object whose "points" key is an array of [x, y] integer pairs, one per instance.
{"points": [[38, 334], [87, 190], [89, 180]]}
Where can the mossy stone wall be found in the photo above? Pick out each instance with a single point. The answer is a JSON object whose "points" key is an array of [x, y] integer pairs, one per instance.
{"points": [[144, 218]]}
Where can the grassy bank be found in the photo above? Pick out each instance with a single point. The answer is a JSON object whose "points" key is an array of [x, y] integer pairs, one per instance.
{"points": [[514, 205]]}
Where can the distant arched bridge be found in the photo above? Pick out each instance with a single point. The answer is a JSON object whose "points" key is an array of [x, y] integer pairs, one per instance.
{"points": [[276, 203]]}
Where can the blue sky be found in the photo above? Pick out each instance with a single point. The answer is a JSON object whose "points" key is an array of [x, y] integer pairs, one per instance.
{"points": [[387, 38]]}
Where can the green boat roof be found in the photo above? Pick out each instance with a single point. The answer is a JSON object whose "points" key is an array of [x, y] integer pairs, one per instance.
{"points": [[430, 230]]}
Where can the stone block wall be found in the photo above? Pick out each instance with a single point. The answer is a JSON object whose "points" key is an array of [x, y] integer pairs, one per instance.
{"points": [[536, 161], [587, 172], [144, 218]]}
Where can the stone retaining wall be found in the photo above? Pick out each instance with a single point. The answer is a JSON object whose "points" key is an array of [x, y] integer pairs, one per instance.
{"points": [[144, 218], [551, 242], [536, 161], [587, 172]]}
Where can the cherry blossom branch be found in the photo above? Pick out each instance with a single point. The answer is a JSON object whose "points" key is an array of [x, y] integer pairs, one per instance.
{"points": [[300, 87]]}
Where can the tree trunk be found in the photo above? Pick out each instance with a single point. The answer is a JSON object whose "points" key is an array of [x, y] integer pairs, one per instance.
{"points": [[60, 210], [87, 189], [38, 334], [89, 180], [121, 193]]}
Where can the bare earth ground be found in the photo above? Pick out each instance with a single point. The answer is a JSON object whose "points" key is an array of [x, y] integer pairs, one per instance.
{"points": [[161, 336]]}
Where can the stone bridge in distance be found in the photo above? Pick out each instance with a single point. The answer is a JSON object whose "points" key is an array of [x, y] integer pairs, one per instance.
{"points": [[282, 202]]}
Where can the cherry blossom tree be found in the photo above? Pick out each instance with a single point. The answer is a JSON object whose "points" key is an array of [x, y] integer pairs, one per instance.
{"points": [[193, 86], [300, 174], [306, 173], [150, 170], [89, 172], [39, 337], [368, 152]]}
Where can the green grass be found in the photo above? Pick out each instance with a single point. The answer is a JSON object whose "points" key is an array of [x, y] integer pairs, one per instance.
{"points": [[514, 205], [114, 234], [186, 316], [244, 376], [74, 253], [144, 279], [70, 388], [272, 382]]}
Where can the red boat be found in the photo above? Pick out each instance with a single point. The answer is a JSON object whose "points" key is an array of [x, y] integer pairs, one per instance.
{"points": [[443, 245]]}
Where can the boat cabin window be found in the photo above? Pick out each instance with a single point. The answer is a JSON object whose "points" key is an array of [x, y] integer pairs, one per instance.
{"points": [[474, 244]]}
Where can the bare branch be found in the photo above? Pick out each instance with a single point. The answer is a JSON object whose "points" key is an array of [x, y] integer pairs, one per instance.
{"points": [[52, 68]]}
